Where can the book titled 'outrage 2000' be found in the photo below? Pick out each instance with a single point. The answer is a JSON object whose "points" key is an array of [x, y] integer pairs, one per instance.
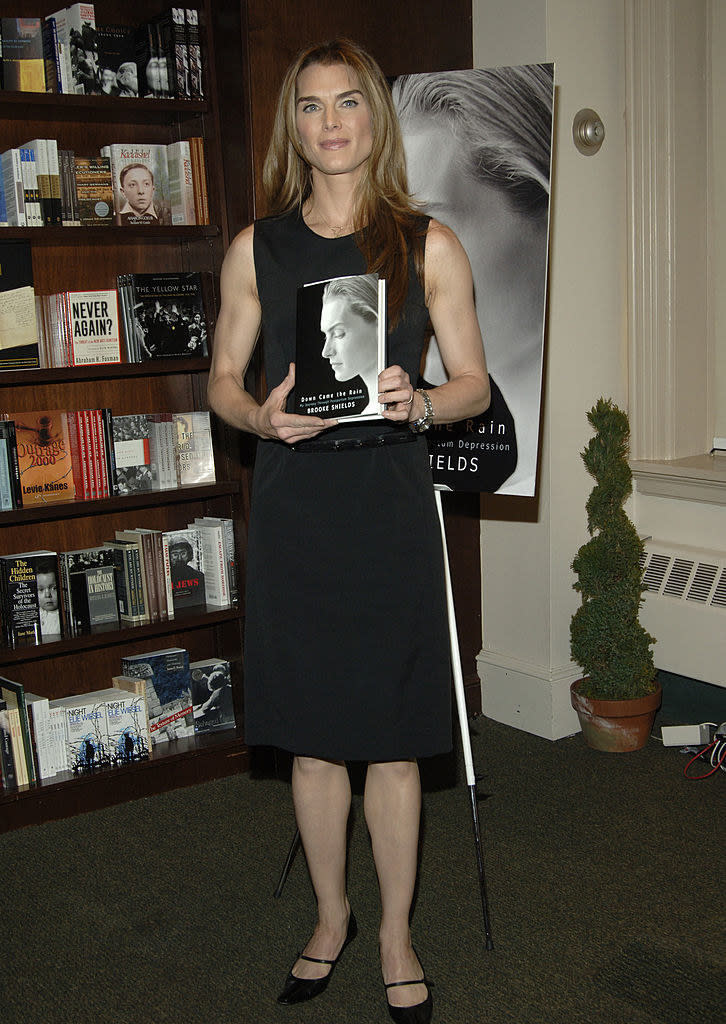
{"points": [[340, 347]]}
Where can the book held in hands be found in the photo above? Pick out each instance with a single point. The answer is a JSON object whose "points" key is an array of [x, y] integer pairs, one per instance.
{"points": [[340, 347]]}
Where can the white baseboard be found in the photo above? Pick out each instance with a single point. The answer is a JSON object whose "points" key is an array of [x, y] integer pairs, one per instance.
{"points": [[534, 698]]}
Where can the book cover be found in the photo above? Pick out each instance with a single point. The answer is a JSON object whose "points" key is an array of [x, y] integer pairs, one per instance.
{"points": [[30, 597], [29, 174], [168, 691], [194, 451], [94, 327], [41, 733], [132, 453], [19, 348], [39, 148], [127, 726], [212, 695], [84, 48], [94, 189], [340, 348], [46, 471], [169, 314], [84, 717], [118, 74], [140, 178], [73, 567], [147, 62], [187, 576], [23, 62], [63, 49], [93, 600]]}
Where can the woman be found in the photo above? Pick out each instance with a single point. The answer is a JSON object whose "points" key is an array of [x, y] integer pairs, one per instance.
{"points": [[478, 147], [346, 635], [349, 323]]}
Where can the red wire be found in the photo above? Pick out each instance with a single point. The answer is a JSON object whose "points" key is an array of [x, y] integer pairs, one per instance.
{"points": [[699, 754]]}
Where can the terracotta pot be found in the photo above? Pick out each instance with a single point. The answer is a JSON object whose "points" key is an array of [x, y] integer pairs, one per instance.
{"points": [[617, 726]]}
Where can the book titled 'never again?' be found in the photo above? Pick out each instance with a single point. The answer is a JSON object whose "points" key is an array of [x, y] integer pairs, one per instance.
{"points": [[340, 347]]}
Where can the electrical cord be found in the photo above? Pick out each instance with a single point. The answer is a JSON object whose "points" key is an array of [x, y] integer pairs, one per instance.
{"points": [[717, 748]]}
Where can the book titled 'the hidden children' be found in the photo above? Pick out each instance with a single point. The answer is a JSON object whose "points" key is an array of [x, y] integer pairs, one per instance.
{"points": [[340, 347]]}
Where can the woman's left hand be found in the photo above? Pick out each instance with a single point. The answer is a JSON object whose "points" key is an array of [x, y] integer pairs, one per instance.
{"points": [[396, 393]]}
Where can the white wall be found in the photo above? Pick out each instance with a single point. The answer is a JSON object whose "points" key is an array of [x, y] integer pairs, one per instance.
{"points": [[527, 583], [718, 198]]}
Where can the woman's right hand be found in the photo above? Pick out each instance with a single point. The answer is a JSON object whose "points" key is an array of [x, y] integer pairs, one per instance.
{"points": [[272, 421]]}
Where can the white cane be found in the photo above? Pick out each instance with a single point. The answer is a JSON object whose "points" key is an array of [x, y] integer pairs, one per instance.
{"points": [[463, 721]]}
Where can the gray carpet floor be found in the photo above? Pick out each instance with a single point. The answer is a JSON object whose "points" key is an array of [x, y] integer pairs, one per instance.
{"points": [[605, 876]]}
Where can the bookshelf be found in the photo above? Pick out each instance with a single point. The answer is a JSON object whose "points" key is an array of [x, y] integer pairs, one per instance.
{"points": [[77, 258]]}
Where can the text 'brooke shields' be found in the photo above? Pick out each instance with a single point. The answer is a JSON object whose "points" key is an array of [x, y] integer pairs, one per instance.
{"points": [[340, 347]]}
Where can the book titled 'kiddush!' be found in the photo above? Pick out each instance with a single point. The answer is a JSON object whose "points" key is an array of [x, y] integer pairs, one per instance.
{"points": [[340, 347]]}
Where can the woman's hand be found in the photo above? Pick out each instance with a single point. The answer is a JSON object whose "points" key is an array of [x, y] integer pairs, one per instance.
{"points": [[272, 421], [396, 392]]}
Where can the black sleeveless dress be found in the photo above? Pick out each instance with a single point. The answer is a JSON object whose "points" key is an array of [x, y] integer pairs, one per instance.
{"points": [[347, 651]]}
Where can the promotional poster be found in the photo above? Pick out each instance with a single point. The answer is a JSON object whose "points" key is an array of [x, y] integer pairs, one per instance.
{"points": [[478, 147]]}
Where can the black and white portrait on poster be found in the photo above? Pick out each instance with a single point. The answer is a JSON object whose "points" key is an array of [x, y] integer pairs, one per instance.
{"points": [[478, 147]]}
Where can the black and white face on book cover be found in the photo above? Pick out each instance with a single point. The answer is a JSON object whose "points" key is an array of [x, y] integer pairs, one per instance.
{"points": [[340, 347]]}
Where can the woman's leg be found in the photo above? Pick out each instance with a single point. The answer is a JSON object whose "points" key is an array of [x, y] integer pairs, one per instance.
{"points": [[321, 795], [392, 805]]}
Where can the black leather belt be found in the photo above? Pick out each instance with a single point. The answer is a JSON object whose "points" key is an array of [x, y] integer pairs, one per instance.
{"points": [[344, 444]]}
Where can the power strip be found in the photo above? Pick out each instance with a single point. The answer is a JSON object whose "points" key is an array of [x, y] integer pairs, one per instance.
{"points": [[685, 735]]}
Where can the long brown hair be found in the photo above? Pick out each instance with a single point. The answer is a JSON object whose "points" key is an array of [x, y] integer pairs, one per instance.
{"points": [[386, 222]]}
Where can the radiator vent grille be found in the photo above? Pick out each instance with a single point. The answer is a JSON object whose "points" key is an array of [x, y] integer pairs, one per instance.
{"points": [[685, 575]]}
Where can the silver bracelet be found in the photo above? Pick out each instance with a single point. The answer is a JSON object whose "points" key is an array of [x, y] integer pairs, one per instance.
{"points": [[418, 426]]}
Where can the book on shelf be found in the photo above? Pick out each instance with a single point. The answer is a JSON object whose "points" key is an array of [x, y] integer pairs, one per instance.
{"points": [[93, 327], [4, 223], [140, 177], [127, 726], [88, 586], [19, 348], [9, 445], [159, 561], [117, 70], [52, 56], [164, 314], [187, 575], [83, 44], [70, 213], [212, 699], [227, 526], [44, 459], [181, 182], [28, 169], [129, 590], [83, 719], [14, 189], [17, 748], [94, 188], [48, 752], [214, 562], [46, 165], [194, 449], [194, 50], [147, 62], [154, 591], [162, 450], [168, 691], [13, 693], [60, 29], [91, 453], [23, 62], [199, 179], [340, 347], [132, 453], [30, 598], [8, 775], [136, 686], [172, 42]]}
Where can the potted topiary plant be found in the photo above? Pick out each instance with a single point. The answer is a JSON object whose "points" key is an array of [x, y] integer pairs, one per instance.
{"points": [[618, 697]]}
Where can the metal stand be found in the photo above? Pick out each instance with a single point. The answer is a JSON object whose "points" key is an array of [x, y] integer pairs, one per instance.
{"points": [[465, 740]]}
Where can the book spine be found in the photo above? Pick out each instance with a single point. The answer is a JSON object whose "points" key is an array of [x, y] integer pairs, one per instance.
{"points": [[181, 183], [51, 57], [6, 489], [14, 190], [74, 444], [181, 52], [7, 760], [229, 548], [17, 485], [107, 427], [100, 454], [194, 50], [16, 740], [54, 181], [166, 561], [199, 178], [27, 743], [88, 448]]}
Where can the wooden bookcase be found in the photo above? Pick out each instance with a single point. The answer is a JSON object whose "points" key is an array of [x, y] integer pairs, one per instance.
{"points": [[76, 258]]}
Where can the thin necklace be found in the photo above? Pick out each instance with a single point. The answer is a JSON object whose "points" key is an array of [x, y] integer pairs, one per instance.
{"points": [[337, 231]]}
